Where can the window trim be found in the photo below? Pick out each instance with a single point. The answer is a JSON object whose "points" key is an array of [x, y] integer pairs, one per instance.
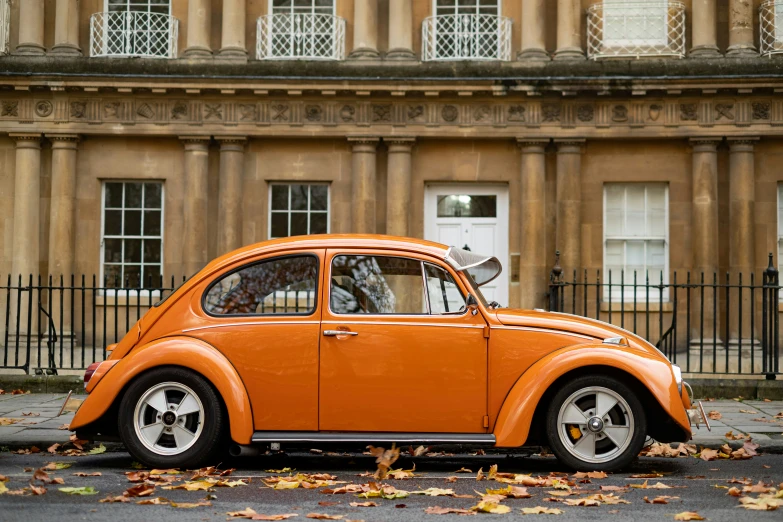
{"points": [[127, 4], [627, 293], [426, 289], [155, 293], [272, 257], [270, 8], [498, 2], [289, 211], [625, 41]]}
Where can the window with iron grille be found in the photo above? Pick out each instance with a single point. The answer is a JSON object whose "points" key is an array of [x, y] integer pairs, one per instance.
{"points": [[467, 28], [636, 238], [635, 24], [780, 226], [298, 209], [137, 28], [132, 234], [303, 28]]}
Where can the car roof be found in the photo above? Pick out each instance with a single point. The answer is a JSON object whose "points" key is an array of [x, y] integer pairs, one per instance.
{"points": [[321, 241]]}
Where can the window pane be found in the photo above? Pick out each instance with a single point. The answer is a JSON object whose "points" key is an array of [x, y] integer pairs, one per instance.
{"points": [[318, 223], [298, 223], [112, 250], [112, 276], [444, 294], [298, 197], [463, 205], [113, 195], [131, 276], [152, 223], [152, 251], [152, 192], [132, 223], [279, 224], [132, 251], [279, 197], [112, 223], [376, 285], [152, 277], [278, 286], [318, 197], [133, 195]]}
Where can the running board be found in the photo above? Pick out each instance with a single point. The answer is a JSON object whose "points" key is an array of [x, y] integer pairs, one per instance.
{"points": [[372, 437]]}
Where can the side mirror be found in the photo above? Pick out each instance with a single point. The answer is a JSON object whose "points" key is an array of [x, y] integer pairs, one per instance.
{"points": [[472, 304]]}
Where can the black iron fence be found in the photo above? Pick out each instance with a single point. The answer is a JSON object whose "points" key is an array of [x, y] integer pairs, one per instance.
{"points": [[705, 323], [67, 323]]}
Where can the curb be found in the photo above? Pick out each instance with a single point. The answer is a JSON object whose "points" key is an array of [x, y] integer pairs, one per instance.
{"points": [[42, 383]]}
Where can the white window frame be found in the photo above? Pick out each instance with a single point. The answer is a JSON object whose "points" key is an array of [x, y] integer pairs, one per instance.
{"points": [[778, 21], [498, 3], [141, 292], [624, 40], [627, 292], [308, 211], [780, 227], [106, 10], [293, 10], [128, 5]]}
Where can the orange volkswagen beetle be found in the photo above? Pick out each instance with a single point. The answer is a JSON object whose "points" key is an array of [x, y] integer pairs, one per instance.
{"points": [[373, 339]]}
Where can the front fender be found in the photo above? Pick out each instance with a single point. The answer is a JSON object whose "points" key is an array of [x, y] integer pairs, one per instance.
{"points": [[186, 352], [516, 415]]}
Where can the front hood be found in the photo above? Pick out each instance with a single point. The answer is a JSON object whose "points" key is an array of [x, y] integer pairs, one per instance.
{"points": [[573, 324]]}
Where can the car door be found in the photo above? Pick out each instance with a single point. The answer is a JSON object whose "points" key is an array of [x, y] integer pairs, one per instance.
{"points": [[395, 355], [264, 315]]}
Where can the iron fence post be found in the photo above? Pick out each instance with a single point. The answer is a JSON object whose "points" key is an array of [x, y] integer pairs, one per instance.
{"points": [[556, 286], [770, 347]]}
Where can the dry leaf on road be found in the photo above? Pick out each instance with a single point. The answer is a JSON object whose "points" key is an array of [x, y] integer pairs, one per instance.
{"points": [[538, 510], [437, 510], [688, 515]]}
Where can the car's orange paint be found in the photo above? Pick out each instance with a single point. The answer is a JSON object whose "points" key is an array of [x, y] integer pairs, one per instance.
{"points": [[100, 371], [175, 351], [513, 424], [686, 398], [403, 373], [413, 373]]}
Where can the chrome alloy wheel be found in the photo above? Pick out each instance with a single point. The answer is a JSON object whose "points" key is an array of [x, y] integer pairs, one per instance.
{"points": [[168, 418], [595, 424]]}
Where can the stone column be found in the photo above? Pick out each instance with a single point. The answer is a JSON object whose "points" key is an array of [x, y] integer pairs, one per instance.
{"points": [[704, 29], [400, 30], [233, 44], [232, 166], [569, 30], [741, 42], [742, 244], [31, 27], [569, 204], [533, 31], [704, 233], [66, 28], [398, 186], [25, 255], [62, 225], [532, 244], [199, 23], [194, 255], [363, 184], [365, 30]]}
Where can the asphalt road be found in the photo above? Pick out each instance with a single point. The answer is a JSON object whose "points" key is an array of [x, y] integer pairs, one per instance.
{"points": [[696, 494]]}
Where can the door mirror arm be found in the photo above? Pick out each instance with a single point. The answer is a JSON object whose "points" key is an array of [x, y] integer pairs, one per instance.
{"points": [[472, 304]]}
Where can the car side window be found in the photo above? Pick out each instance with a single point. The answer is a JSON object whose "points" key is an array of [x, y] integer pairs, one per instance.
{"points": [[376, 285], [444, 294], [283, 285]]}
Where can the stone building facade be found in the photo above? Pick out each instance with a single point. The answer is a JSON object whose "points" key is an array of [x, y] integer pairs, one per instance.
{"points": [[141, 139]]}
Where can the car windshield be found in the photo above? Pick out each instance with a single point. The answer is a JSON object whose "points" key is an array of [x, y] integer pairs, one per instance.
{"points": [[481, 268]]}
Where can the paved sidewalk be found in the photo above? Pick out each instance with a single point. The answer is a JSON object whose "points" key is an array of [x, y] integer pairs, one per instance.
{"points": [[751, 417]]}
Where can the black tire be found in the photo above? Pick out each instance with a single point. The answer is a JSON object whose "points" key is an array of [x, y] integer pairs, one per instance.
{"points": [[210, 442], [621, 459]]}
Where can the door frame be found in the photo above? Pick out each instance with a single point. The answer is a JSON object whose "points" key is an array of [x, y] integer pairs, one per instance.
{"points": [[501, 190]]}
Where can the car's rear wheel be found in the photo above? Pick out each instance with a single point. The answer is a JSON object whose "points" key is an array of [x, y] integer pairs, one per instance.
{"points": [[596, 423], [170, 418]]}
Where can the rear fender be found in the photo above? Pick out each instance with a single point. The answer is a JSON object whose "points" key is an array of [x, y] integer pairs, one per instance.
{"points": [[513, 425], [185, 352]]}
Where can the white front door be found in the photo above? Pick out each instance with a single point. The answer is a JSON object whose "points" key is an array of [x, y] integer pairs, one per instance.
{"points": [[474, 217]]}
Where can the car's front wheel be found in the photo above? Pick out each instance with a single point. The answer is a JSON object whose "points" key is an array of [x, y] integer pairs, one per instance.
{"points": [[596, 423], [170, 418]]}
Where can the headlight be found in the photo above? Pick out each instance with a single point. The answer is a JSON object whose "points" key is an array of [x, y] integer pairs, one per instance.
{"points": [[677, 377]]}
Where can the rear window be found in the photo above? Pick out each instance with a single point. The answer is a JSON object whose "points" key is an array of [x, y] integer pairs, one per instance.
{"points": [[278, 286]]}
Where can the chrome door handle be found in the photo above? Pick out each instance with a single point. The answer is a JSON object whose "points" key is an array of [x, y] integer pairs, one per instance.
{"points": [[333, 333]]}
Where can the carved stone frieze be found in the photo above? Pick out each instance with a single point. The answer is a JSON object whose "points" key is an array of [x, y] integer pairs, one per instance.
{"points": [[724, 111], [585, 113], [44, 108]]}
